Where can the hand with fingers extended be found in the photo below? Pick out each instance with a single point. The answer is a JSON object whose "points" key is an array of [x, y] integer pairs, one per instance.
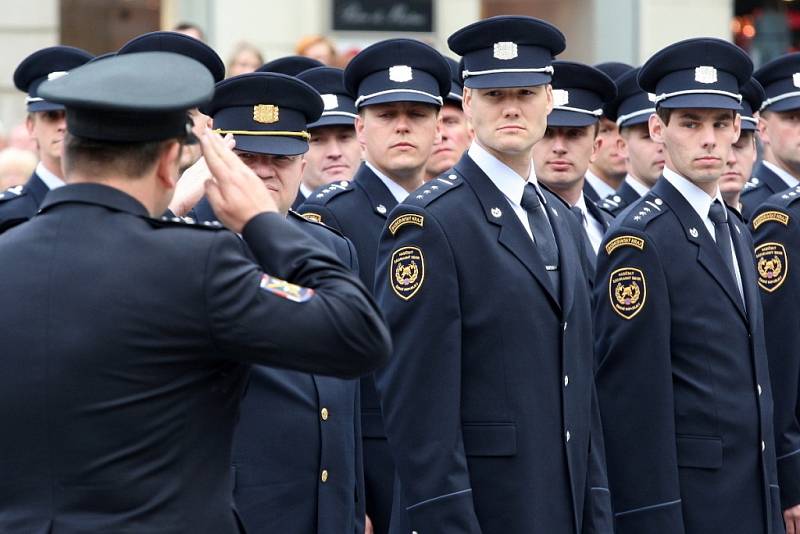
{"points": [[235, 192], [192, 184], [791, 516]]}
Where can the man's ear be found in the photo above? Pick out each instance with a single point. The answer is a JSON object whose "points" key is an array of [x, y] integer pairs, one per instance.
{"points": [[598, 142], [167, 164], [466, 103], [548, 89], [656, 126], [359, 125], [763, 130], [622, 146], [29, 123], [737, 126]]}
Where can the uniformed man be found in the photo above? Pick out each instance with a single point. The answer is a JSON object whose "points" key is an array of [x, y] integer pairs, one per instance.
{"points": [[133, 355], [455, 131], [644, 158], [333, 153], [779, 128], [682, 372], [607, 169], [743, 155], [488, 400], [290, 65], [561, 158], [398, 86], [311, 479], [46, 124]]}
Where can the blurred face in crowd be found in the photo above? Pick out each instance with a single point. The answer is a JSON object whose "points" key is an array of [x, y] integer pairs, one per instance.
{"points": [[280, 174], [644, 157], [609, 163], [245, 60], [780, 133], [456, 136], [697, 143], [333, 155], [398, 137], [48, 129], [738, 168], [562, 157], [321, 51], [508, 121]]}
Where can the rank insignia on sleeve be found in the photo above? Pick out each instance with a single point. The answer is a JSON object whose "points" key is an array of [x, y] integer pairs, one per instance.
{"points": [[772, 265], [627, 290], [768, 216], [314, 217], [407, 271], [624, 241], [409, 218], [284, 289]]}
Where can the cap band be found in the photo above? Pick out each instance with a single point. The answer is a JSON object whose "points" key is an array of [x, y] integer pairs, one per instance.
{"points": [[453, 95], [595, 113], [467, 73], [361, 99], [749, 119], [623, 118], [32, 99], [784, 96], [304, 135], [664, 96], [338, 113]]}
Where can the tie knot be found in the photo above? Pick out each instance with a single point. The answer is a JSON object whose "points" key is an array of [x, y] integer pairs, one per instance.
{"points": [[717, 213], [577, 211], [530, 198]]}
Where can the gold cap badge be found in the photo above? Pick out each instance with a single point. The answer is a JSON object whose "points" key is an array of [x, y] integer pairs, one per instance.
{"points": [[265, 113]]}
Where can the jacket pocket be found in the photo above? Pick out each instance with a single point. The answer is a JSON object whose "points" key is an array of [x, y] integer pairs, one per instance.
{"points": [[703, 452], [489, 439]]}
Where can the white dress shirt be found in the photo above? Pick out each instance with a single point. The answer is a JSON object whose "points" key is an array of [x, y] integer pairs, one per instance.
{"points": [[394, 188], [50, 180], [790, 180], [594, 229], [637, 186], [701, 203], [304, 190], [603, 189]]}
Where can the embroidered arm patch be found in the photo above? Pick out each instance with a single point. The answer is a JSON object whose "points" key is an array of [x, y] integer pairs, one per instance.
{"points": [[627, 290], [285, 290], [772, 264], [407, 271]]}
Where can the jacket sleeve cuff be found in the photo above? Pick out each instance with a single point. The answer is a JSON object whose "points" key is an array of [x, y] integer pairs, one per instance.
{"points": [[658, 518], [453, 513], [789, 479]]}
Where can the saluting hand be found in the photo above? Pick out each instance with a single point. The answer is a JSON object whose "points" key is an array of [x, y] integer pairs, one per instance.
{"points": [[235, 192], [791, 517], [192, 184]]}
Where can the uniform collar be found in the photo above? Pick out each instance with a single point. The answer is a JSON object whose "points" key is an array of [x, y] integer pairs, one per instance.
{"points": [[603, 189], [696, 197], [304, 190], [97, 194], [581, 204], [637, 186], [50, 180], [394, 188], [790, 180], [502, 176]]}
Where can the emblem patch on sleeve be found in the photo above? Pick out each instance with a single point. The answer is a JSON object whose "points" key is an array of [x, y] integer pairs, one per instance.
{"points": [[285, 290], [627, 290], [409, 218], [624, 241], [314, 217], [772, 264], [407, 271], [768, 216]]}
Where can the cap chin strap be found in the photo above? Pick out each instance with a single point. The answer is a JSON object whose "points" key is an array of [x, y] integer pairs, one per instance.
{"points": [[664, 96], [339, 114], [304, 135], [749, 119], [361, 99], [32, 99], [594, 113], [623, 118], [784, 96], [467, 73]]}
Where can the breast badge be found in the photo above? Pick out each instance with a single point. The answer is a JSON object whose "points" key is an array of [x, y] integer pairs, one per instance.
{"points": [[627, 290], [407, 271], [772, 265]]}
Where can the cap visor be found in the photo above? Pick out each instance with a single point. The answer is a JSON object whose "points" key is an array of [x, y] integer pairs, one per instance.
{"points": [[562, 118], [701, 101], [748, 125], [507, 79], [401, 96], [267, 144], [787, 104], [633, 121], [44, 105], [333, 120]]}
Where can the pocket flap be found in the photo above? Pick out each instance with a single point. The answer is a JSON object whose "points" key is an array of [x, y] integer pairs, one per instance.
{"points": [[699, 451], [489, 439]]}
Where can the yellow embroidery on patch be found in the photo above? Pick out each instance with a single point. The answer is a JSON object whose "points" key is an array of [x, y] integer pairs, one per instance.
{"points": [[316, 217], [410, 218], [407, 271], [624, 241], [266, 113], [627, 291], [768, 216], [772, 264]]}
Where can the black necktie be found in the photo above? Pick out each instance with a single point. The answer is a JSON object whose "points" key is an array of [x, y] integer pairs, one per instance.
{"points": [[722, 229], [587, 243], [542, 233]]}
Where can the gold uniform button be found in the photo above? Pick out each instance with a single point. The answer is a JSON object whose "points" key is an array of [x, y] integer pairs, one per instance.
{"points": [[324, 476], [324, 414]]}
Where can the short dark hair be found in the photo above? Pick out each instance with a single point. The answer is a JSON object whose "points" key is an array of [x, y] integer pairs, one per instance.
{"points": [[183, 26], [92, 157], [664, 114]]}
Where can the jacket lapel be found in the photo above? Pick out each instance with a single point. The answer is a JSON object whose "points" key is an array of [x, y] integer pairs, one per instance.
{"points": [[568, 254], [746, 261], [772, 181], [511, 233], [381, 199], [36, 187]]}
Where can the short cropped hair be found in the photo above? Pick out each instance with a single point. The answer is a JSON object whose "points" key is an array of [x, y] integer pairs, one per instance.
{"points": [[98, 158]]}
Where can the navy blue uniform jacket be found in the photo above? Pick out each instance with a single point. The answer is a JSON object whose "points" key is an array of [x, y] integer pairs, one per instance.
{"points": [[623, 197], [129, 361], [20, 203], [682, 376], [489, 397], [759, 188]]}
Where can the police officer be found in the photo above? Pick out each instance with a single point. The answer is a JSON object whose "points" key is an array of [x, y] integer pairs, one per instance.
{"points": [[779, 127], [607, 169], [561, 157], [398, 86], [46, 124], [742, 158], [488, 399], [141, 335], [682, 372], [644, 158], [456, 133], [311, 479]]}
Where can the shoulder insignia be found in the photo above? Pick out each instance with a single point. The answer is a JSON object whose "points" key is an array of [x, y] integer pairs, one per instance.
{"points": [[183, 222], [627, 290], [313, 218], [751, 185], [433, 190], [407, 271], [12, 192], [403, 220], [323, 194], [772, 264], [767, 216], [786, 198], [624, 241], [284, 289], [645, 210]]}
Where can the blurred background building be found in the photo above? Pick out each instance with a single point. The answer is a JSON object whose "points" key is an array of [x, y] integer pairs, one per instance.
{"points": [[596, 30]]}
